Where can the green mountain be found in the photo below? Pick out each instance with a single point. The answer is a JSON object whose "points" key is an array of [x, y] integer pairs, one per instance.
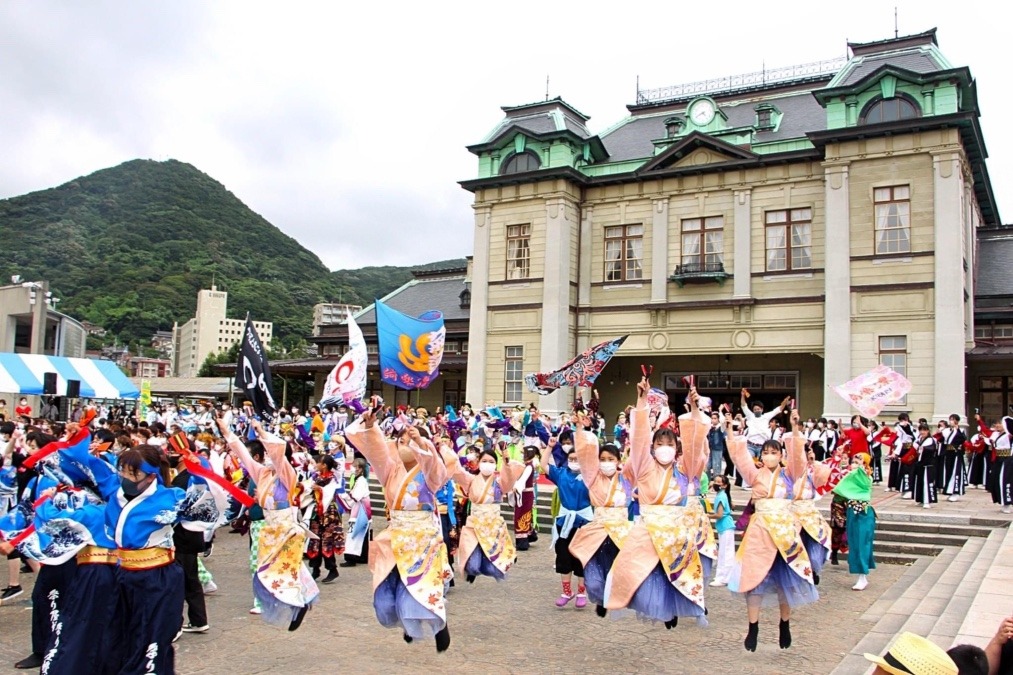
{"points": [[129, 247]]}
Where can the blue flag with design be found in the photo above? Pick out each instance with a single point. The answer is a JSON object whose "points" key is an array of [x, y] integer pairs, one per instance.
{"points": [[410, 349]]}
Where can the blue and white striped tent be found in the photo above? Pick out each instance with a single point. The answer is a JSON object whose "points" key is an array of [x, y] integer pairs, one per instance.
{"points": [[24, 374]]}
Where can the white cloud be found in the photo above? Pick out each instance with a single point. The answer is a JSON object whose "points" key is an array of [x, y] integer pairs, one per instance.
{"points": [[345, 125]]}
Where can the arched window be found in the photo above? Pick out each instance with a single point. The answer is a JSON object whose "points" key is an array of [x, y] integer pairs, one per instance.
{"points": [[890, 110], [521, 162]]}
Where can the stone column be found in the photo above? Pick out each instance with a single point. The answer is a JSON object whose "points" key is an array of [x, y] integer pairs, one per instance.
{"points": [[478, 315], [948, 359], [837, 306], [742, 267], [659, 251], [584, 271], [556, 344]]}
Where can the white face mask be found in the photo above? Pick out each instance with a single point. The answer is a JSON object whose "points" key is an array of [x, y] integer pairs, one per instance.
{"points": [[574, 466], [567, 447], [607, 468], [486, 468], [664, 454], [770, 461]]}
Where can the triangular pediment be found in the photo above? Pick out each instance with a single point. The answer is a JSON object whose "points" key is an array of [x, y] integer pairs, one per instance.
{"points": [[698, 149]]}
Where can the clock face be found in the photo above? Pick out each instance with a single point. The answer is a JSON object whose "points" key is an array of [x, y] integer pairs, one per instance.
{"points": [[702, 112]]}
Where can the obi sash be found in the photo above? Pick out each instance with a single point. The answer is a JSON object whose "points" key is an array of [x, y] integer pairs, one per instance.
{"points": [[673, 531], [493, 537], [279, 559], [812, 521], [616, 522], [776, 517], [421, 556]]}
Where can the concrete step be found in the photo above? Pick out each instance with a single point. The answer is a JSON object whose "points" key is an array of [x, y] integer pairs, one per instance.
{"points": [[886, 546], [993, 596], [930, 539], [884, 525], [962, 594], [912, 588], [934, 605]]}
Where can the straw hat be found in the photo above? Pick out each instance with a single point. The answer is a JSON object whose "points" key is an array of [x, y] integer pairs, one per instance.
{"points": [[912, 654]]}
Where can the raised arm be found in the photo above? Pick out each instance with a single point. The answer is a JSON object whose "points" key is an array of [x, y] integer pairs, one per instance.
{"points": [[367, 437], [585, 445], [794, 444], [430, 461], [739, 453], [693, 428], [274, 448], [546, 453], [821, 474], [239, 449], [640, 432], [510, 474]]}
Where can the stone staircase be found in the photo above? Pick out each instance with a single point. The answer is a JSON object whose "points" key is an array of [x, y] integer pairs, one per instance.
{"points": [[933, 597]]}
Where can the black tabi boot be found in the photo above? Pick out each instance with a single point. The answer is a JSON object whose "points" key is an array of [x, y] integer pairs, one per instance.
{"points": [[443, 639], [751, 636], [784, 637]]}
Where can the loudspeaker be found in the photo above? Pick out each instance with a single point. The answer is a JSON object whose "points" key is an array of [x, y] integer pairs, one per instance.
{"points": [[73, 388], [49, 384]]}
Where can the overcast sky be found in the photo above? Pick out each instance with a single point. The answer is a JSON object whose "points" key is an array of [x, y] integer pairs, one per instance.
{"points": [[345, 124]]}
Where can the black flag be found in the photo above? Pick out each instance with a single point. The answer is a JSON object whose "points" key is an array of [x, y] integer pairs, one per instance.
{"points": [[253, 375]]}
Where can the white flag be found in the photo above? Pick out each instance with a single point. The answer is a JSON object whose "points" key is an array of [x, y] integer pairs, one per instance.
{"points": [[347, 382]]}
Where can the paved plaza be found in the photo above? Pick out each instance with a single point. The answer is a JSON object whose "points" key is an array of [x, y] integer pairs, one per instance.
{"points": [[512, 627]]}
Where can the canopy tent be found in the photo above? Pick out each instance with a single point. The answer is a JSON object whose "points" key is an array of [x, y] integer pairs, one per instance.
{"points": [[25, 374]]}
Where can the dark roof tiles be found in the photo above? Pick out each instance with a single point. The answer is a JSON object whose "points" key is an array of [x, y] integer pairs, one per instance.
{"points": [[916, 61], [422, 295], [801, 114], [995, 265]]}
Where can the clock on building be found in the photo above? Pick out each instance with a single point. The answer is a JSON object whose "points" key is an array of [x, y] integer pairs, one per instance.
{"points": [[701, 112]]}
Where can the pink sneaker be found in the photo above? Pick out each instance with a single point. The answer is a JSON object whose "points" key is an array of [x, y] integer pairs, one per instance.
{"points": [[581, 601], [563, 601]]}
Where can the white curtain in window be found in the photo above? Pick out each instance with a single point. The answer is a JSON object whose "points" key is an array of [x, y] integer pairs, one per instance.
{"points": [[690, 249]]}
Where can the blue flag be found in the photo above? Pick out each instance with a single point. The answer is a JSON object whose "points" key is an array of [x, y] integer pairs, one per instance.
{"points": [[410, 349]]}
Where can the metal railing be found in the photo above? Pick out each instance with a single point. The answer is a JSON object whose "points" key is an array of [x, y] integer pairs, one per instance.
{"points": [[699, 268], [744, 81]]}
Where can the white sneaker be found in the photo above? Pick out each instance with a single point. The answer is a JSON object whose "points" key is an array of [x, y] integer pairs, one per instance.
{"points": [[926, 506], [210, 587], [860, 584], [256, 610], [906, 495], [953, 498], [1007, 509], [718, 584]]}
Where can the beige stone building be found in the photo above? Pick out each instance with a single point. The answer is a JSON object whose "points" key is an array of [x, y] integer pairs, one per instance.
{"points": [[782, 231], [210, 332]]}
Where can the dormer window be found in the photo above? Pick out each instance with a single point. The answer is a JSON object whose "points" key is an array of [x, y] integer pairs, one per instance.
{"points": [[465, 298], [521, 162], [764, 116], [881, 110], [674, 126]]}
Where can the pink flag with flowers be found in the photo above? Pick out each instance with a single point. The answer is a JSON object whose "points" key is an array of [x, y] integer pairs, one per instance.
{"points": [[870, 392]]}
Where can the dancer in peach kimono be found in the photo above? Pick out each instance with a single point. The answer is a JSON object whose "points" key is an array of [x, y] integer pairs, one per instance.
{"points": [[597, 544], [282, 585], [408, 559], [772, 560], [660, 570], [814, 528], [486, 546]]}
